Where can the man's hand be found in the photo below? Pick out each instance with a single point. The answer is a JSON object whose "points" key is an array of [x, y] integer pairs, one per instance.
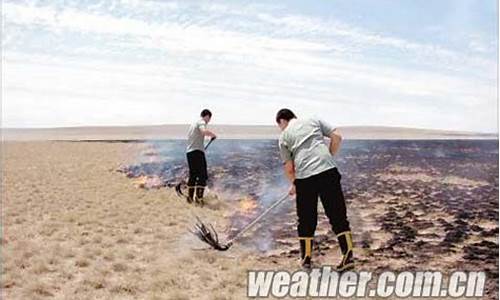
{"points": [[292, 190]]}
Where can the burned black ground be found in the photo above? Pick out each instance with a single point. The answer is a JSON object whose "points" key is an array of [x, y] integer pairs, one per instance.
{"points": [[412, 204]]}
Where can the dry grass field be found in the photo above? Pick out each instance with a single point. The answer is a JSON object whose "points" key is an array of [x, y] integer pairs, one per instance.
{"points": [[73, 228]]}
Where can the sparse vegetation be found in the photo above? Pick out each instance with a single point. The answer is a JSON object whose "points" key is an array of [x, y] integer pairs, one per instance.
{"points": [[75, 229]]}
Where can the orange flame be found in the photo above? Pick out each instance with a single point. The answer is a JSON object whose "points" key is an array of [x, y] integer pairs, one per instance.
{"points": [[247, 205], [148, 182]]}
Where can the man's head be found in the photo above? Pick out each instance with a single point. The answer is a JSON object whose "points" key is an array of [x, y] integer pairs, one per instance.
{"points": [[284, 116], [206, 115]]}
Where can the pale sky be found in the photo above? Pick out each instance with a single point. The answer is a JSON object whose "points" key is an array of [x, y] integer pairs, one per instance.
{"points": [[425, 64]]}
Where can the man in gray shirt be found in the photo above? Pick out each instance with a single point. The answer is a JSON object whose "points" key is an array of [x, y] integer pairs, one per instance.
{"points": [[195, 153], [310, 166]]}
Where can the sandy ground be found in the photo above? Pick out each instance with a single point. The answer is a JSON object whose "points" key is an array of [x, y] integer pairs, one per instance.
{"points": [[74, 228]]}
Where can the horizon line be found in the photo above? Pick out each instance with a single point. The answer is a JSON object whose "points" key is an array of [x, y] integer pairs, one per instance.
{"points": [[246, 125]]}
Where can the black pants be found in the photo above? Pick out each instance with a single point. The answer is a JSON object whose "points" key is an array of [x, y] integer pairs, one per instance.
{"points": [[197, 168], [327, 186]]}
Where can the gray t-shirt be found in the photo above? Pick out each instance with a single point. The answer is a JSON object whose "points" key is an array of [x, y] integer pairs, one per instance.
{"points": [[195, 140], [303, 142]]}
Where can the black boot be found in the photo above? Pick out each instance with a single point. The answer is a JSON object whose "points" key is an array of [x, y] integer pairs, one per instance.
{"points": [[200, 190], [306, 251], [190, 196], [346, 246]]}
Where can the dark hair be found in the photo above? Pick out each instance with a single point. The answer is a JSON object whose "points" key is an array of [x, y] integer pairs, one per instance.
{"points": [[205, 113], [285, 114]]}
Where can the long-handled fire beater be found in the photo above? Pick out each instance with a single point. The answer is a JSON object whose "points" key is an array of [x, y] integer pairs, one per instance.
{"points": [[208, 234]]}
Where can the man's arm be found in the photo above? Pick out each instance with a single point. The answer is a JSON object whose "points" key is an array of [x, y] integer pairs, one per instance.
{"points": [[290, 170], [335, 141], [207, 132], [288, 166], [333, 134], [290, 174]]}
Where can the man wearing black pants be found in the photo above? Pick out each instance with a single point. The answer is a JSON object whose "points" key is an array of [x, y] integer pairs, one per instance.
{"points": [[310, 167], [195, 153]]}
